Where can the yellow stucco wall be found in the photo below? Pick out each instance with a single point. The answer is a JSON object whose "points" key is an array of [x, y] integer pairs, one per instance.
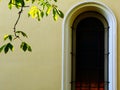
{"points": [[41, 69]]}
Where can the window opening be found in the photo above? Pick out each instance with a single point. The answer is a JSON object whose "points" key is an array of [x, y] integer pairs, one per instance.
{"points": [[90, 53]]}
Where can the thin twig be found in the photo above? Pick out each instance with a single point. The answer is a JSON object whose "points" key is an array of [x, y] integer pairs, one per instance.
{"points": [[19, 15]]}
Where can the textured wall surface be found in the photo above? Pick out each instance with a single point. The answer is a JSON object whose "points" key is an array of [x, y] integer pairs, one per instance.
{"points": [[41, 69]]}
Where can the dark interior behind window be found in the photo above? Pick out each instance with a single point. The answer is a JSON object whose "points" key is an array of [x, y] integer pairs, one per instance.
{"points": [[89, 59]]}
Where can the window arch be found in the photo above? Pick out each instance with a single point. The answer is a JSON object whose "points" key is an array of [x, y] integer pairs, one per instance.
{"points": [[90, 52], [72, 14]]}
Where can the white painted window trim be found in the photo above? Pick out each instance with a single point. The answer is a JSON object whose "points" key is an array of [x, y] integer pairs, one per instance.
{"points": [[66, 40]]}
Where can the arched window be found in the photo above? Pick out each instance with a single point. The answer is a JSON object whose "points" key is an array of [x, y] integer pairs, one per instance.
{"points": [[97, 18], [90, 52]]}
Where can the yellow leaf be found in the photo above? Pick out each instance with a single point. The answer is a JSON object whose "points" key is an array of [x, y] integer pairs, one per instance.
{"points": [[5, 36], [34, 11], [48, 10]]}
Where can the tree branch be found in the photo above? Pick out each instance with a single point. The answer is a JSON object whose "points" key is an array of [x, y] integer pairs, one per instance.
{"points": [[15, 25]]}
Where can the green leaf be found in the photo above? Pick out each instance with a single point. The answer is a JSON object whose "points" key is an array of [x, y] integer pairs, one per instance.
{"points": [[23, 46], [19, 3], [22, 33], [6, 49], [22, 2], [55, 15], [60, 13], [48, 10], [1, 48], [38, 16], [16, 3], [29, 49], [55, 0], [10, 46], [8, 37], [10, 5], [42, 14], [33, 1]]}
